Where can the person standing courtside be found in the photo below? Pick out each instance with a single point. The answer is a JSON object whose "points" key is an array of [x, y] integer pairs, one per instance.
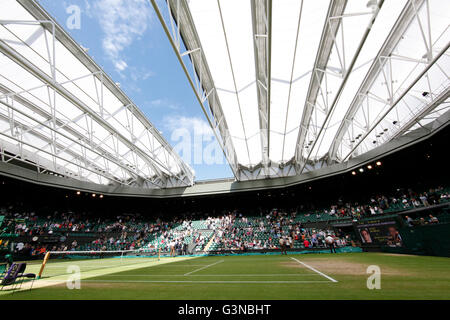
{"points": [[330, 242], [283, 245], [172, 248]]}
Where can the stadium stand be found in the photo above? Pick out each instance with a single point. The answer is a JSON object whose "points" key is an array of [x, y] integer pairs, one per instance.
{"points": [[189, 234]]}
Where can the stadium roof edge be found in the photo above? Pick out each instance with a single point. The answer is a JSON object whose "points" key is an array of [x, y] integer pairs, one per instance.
{"points": [[228, 185]]}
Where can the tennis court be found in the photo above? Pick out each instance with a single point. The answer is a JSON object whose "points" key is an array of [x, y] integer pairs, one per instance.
{"points": [[303, 276]]}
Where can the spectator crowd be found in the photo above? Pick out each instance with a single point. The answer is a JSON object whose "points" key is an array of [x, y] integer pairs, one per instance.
{"points": [[75, 231]]}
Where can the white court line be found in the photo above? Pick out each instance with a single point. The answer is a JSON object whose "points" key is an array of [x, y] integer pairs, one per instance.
{"points": [[116, 265], [216, 275], [204, 281], [315, 270], [199, 269], [184, 265]]}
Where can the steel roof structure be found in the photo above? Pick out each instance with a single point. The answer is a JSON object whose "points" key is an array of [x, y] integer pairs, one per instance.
{"points": [[61, 113], [294, 85], [294, 90]]}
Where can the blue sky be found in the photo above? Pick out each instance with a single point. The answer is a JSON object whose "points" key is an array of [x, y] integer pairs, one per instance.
{"points": [[126, 39]]}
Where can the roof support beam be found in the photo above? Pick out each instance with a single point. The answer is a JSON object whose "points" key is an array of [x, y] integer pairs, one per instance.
{"points": [[406, 17], [82, 141], [204, 91], [392, 106], [262, 39], [87, 165], [433, 105], [185, 177], [336, 8], [346, 71], [27, 65]]}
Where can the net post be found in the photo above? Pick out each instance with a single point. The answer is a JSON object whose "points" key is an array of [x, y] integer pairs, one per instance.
{"points": [[159, 253], [46, 257]]}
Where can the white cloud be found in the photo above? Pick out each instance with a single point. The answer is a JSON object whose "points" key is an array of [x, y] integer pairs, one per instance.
{"points": [[122, 21], [156, 102], [87, 9], [140, 74], [195, 125], [120, 65], [163, 103]]}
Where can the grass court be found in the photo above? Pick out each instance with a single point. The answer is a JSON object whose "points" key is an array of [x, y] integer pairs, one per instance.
{"points": [[302, 276]]}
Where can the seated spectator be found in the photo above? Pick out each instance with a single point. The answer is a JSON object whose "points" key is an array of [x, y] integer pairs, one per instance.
{"points": [[422, 222], [424, 200], [306, 243], [433, 219], [409, 221]]}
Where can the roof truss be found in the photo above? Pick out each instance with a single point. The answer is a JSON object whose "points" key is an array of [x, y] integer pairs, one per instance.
{"points": [[129, 150], [182, 32], [400, 87], [329, 88]]}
